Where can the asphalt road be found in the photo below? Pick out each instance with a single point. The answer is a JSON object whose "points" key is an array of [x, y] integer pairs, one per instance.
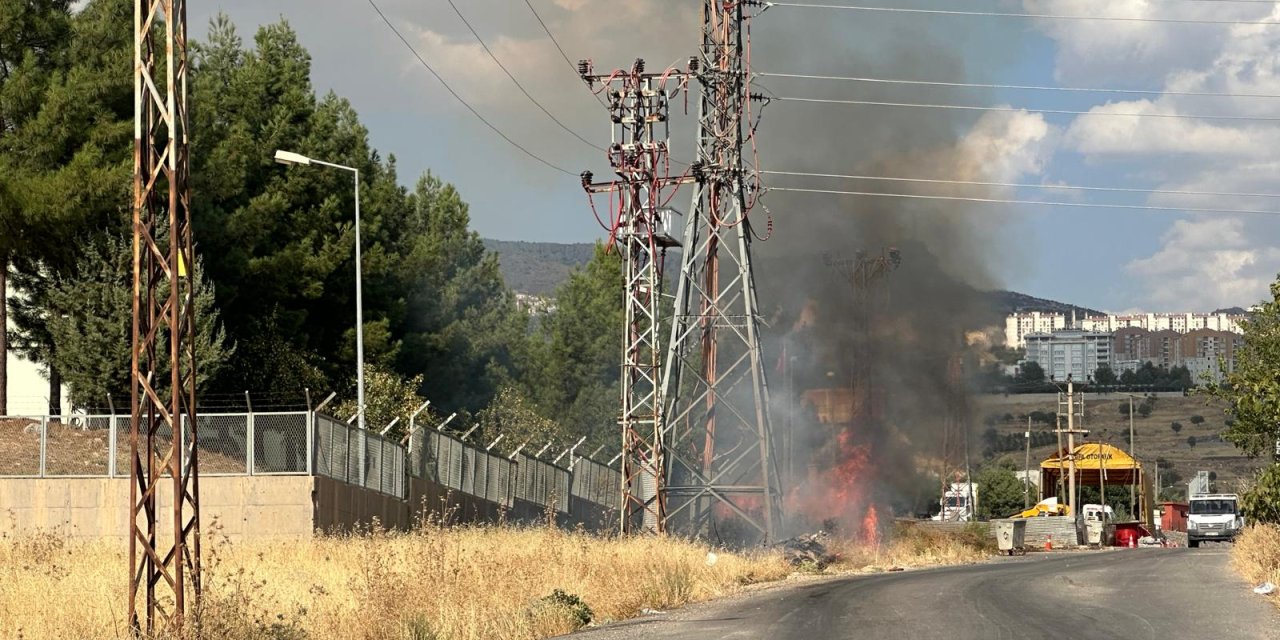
{"points": [[1127, 593]]}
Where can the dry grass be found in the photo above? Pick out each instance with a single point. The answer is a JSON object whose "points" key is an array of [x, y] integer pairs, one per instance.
{"points": [[910, 546], [438, 583], [1256, 554], [435, 583]]}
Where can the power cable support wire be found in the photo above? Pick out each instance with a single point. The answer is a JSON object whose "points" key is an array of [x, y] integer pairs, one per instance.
{"points": [[1002, 14], [1049, 203], [965, 107], [1020, 87], [519, 86], [1026, 185], [573, 67], [459, 97]]}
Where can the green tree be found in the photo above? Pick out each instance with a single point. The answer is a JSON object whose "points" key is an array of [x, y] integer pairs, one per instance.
{"points": [[1197, 419], [387, 396], [33, 42], [1000, 493], [1252, 389], [90, 322], [1191, 441], [1144, 410], [66, 112], [579, 349], [1176, 426], [1262, 503], [514, 417], [1105, 376], [1030, 371]]}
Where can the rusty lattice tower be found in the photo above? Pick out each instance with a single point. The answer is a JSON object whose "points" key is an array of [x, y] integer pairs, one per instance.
{"points": [[638, 104], [720, 443], [164, 527]]}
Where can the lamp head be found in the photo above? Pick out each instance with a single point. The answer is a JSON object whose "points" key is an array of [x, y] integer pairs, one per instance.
{"points": [[289, 157]]}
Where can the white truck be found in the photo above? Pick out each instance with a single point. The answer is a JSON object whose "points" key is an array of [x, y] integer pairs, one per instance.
{"points": [[958, 502], [1213, 517]]}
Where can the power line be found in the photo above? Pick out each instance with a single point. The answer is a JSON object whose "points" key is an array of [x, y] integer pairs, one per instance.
{"points": [[1065, 187], [1088, 205], [517, 82], [1024, 87], [877, 103], [1001, 14], [572, 67], [461, 100]]}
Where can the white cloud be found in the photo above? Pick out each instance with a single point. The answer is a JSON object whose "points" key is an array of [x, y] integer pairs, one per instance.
{"points": [[1206, 263]]}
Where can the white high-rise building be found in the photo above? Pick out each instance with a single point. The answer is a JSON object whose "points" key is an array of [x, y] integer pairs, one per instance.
{"points": [[1071, 352], [1018, 325]]}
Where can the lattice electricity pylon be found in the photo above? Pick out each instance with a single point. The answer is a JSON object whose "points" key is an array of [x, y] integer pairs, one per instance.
{"points": [[638, 105], [720, 441], [164, 555]]}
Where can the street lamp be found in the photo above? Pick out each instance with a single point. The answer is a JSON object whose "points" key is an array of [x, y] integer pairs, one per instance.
{"points": [[291, 158]]}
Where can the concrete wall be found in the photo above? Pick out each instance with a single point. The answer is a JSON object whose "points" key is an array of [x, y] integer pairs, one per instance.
{"points": [[237, 507]]}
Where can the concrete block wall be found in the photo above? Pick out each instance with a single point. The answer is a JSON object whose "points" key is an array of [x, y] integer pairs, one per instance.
{"points": [[99, 508]]}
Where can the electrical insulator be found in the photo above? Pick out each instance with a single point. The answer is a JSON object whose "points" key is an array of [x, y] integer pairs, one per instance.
{"points": [[584, 67], [639, 66], [587, 177], [696, 169], [693, 65]]}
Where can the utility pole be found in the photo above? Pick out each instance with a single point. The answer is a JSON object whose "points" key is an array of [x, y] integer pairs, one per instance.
{"points": [[638, 107], [1133, 477], [164, 555], [721, 445], [1071, 431], [1026, 478]]}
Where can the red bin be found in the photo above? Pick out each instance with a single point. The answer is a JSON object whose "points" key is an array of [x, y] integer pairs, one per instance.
{"points": [[1126, 537]]}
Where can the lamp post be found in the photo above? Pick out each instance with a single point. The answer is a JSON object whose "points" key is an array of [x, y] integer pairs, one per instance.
{"points": [[291, 158]]}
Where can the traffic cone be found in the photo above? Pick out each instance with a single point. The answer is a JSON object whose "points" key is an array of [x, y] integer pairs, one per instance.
{"points": [[1048, 543]]}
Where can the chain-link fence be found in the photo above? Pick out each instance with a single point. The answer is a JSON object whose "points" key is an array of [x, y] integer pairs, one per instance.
{"points": [[304, 443], [101, 445], [362, 458]]}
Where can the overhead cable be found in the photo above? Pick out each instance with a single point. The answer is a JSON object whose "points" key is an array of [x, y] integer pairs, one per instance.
{"points": [[1064, 187], [1084, 205], [572, 67], [517, 82], [461, 100], [962, 107], [1002, 14], [1022, 87]]}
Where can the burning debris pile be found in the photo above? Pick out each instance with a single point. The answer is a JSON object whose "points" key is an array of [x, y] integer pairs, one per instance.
{"points": [[807, 551]]}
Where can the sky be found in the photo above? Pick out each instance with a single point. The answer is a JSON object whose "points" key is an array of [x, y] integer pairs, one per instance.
{"points": [[1111, 259]]}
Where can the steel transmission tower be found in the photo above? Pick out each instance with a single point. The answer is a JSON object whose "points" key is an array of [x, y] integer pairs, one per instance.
{"points": [[720, 440], [164, 548], [638, 104]]}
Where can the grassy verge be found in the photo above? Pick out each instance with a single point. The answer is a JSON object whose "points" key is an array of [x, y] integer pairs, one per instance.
{"points": [[909, 545], [435, 583], [1256, 554]]}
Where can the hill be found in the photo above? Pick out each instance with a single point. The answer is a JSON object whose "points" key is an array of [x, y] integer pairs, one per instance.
{"points": [[1154, 437], [537, 268], [1014, 302]]}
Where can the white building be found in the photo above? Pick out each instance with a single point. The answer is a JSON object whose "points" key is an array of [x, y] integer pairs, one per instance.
{"points": [[1018, 325], [1069, 352]]}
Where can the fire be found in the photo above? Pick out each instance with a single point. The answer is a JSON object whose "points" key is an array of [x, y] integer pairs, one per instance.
{"points": [[836, 488]]}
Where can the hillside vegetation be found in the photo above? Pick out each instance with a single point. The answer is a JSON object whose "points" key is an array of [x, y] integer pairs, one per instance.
{"points": [[1155, 436], [538, 268]]}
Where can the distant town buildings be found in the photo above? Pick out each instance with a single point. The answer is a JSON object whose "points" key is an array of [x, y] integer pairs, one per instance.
{"points": [[1018, 325], [1071, 352], [1204, 343], [535, 305]]}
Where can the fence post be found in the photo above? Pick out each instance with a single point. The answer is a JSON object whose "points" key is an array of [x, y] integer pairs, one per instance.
{"points": [[113, 437], [311, 441], [249, 444], [44, 443]]}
